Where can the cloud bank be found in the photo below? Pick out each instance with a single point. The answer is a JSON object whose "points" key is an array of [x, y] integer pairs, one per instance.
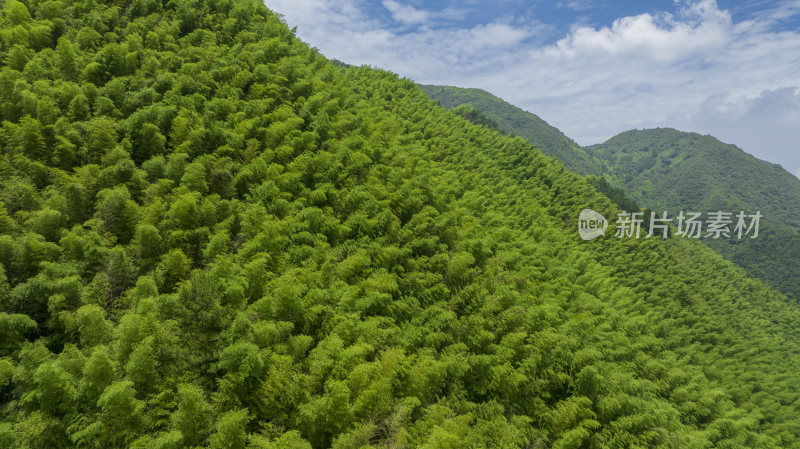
{"points": [[694, 69]]}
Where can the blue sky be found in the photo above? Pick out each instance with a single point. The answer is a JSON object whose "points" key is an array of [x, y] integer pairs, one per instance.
{"points": [[560, 16], [592, 68]]}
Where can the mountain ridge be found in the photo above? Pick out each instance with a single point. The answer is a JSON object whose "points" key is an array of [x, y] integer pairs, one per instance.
{"points": [[525, 124]]}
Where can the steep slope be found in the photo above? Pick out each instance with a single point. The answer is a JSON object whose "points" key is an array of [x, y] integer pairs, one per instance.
{"points": [[514, 120], [214, 237], [671, 170]]}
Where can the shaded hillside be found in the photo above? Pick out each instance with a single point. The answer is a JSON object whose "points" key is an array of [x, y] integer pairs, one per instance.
{"points": [[671, 170], [476, 117], [514, 120], [211, 236]]}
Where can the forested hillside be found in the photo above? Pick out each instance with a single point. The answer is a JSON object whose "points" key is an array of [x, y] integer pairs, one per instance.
{"points": [[211, 236], [671, 170]]}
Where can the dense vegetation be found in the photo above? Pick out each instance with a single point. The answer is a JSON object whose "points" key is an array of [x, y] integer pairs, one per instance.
{"points": [[213, 237], [669, 170]]}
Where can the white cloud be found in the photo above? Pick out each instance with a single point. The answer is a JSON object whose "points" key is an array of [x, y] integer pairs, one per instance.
{"points": [[648, 37], [696, 70], [406, 13], [577, 5]]}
